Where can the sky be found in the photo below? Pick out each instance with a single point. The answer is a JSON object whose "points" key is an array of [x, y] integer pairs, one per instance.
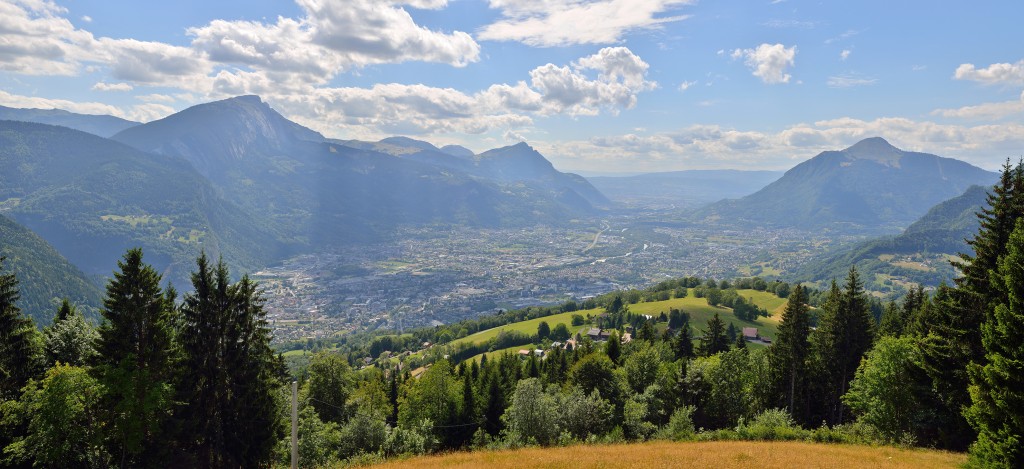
{"points": [[597, 86]]}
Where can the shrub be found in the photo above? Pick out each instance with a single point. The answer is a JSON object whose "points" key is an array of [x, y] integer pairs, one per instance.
{"points": [[680, 425]]}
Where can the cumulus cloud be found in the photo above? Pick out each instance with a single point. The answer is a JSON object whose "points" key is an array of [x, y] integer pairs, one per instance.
{"points": [[603, 82], [769, 62], [101, 86], [712, 146], [685, 85], [844, 54], [553, 23], [142, 112], [1000, 73], [984, 110]]}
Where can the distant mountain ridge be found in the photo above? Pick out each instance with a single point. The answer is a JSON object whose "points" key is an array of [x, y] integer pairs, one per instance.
{"points": [[93, 198], [870, 185], [324, 190], [102, 125], [942, 231], [45, 277]]}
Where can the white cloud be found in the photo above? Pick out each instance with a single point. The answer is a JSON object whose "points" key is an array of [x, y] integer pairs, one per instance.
{"points": [[1000, 73], [712, 146], [552, 23], [685, 85], [844, 54], [850, 80], [768, 61], [87, 18], [984, 110], [621, 76], [101, 86], [141, 112]]}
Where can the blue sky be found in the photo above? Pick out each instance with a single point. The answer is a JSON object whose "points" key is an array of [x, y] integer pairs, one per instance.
{"points": [[616, 86]]}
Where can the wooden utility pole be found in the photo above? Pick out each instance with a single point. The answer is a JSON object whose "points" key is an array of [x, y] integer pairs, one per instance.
{"points": [[295, 424]]}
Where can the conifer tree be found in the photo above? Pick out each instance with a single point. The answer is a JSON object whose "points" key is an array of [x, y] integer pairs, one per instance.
{"points": [[230, 372], [790, 353], [740, 343], [997, 386], [20, 348], [684, 341], [714, 339], [844, 335], [134, 362], [495, 405], [613, 347]]}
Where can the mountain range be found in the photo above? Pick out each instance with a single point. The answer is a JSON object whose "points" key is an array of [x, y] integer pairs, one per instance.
{"points": [[45, 276], [104, 126], [936, 236], [870, 185]]}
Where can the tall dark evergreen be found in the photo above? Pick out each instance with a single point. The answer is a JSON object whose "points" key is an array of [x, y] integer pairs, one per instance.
{"points": [[714, 339], [790, 353], [230, 372], [684, 342], [20, 346], [844, 335], [135, 362], [997, 386], [950, 326]]}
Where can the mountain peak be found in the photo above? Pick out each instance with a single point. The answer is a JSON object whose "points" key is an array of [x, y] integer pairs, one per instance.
{"points": [[874, 148]]}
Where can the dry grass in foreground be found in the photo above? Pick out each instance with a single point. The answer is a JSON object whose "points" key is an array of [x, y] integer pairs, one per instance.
{"points": [[716, 454]]}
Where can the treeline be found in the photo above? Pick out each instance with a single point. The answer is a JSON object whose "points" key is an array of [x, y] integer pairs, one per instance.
{"points": [[162, 382]]}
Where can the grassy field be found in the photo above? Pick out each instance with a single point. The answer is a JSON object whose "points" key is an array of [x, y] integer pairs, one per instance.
{"points": [[527, 327], [698, 309], [717, 454]]}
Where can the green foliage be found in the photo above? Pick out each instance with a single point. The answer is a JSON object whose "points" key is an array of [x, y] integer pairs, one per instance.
{"points": [[613, 348], [543, 330], [997, 385], [597, 372], [329, 385], [134, 360], [231, 374], [680, 426], [20, 345], [64, 425], [70, 340], [884, 392], [436, 396], [714, 339], [46, 275], [532, 414], [790, 354]]}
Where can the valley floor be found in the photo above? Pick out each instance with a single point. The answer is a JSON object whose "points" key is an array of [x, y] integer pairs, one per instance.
{"points": [[716, 454]]}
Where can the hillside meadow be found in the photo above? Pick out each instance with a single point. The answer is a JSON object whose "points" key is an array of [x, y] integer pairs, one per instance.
{"points": [[715, 454], [697, 308]]}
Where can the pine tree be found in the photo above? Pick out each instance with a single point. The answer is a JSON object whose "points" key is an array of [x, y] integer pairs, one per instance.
{"points": [[790, 353], [495, 405], [20, 347], [714, 339], [230, 372], [844, 335], [684, 341], [613, 348], [997, 386], [134, 362], [740, 343]]}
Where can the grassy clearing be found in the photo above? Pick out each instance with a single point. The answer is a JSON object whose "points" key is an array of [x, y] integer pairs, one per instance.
{"points": [[717, 454], [527, 327], [698, 309]]}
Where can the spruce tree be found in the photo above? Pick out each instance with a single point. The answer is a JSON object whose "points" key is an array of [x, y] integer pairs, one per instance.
{"points": [[714, 339], [613, 347], [134, 362], [495, 405], [230, 372], [790, 353], [684, 341], [997, 386], [844, 335], [20, 347]]}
